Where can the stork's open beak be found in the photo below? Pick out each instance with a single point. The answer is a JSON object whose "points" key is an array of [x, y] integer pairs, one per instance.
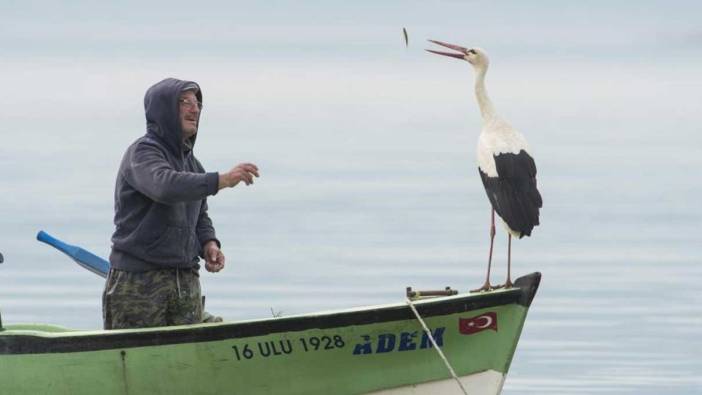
{"points": [[460, 55]]}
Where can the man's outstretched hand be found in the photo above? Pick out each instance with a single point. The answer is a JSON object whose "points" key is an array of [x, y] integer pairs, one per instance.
{"points": [[214, 259], [242, 172]]}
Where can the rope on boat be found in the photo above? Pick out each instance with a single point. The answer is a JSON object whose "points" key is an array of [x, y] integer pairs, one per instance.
{"points": [[436, 347]]}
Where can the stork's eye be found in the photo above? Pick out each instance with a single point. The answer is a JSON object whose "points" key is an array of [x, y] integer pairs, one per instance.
{"points": [[471, 51]]}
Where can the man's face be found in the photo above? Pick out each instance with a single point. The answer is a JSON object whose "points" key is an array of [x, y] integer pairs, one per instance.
{"points": [[189, 113]]}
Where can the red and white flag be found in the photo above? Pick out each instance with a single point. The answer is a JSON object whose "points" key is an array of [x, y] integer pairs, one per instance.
{"points": [[468, 326]]}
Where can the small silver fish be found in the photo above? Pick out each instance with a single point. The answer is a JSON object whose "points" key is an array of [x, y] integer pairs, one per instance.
{"points": [[404, 32]]}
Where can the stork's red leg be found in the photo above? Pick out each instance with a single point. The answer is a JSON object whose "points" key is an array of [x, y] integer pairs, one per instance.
{"points": [[509, 284], [486, 286]]}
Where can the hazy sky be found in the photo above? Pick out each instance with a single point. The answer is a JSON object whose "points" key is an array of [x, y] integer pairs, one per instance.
{"points": [[284, 29]]}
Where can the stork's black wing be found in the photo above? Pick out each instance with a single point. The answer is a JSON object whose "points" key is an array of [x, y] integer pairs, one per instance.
{"points": [[513, 193]]}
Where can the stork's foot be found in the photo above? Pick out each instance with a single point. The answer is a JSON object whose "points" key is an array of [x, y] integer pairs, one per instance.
{"points": [[506, 285], [486, 287], [489, 287]]}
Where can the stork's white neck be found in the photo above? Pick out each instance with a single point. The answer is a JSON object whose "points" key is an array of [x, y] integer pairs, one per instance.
{"points": [[487, 110]]}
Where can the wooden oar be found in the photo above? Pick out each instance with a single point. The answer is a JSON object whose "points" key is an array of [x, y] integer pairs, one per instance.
{"points": [[82, 257]]}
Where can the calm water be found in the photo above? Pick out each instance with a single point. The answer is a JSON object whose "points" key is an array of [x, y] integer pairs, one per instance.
{"points": [[369, 185]]}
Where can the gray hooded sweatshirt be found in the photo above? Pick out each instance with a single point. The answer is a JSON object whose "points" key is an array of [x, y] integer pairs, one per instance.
{"points": [[160, 196]]}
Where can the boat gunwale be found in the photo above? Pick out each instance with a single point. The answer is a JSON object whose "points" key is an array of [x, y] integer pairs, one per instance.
{"points": [[15, 342]]}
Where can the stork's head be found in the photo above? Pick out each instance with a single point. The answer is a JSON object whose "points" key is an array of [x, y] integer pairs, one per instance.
{"points": [[475, 56]]}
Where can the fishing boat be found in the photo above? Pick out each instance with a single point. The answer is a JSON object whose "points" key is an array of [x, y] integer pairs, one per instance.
{"points": [[425, 344]]}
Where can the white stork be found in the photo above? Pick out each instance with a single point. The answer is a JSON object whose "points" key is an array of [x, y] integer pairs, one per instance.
{"points": [[504, 163]]}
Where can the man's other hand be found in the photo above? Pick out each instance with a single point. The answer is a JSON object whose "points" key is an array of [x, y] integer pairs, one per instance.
{"points": [[242, 172], [214, 259]]}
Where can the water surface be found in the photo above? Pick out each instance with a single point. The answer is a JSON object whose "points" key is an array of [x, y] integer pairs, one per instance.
{"points": [[369, 182]]}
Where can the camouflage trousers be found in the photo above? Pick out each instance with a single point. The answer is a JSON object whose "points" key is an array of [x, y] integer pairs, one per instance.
{"points": [[152, 298]]}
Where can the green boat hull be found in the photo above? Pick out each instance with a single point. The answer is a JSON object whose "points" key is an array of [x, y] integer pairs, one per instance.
{"points": [[364, 350]]}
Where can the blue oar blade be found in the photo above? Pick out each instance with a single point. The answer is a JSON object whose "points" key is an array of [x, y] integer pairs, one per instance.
{"points": [[82, 257], [92, 262]]}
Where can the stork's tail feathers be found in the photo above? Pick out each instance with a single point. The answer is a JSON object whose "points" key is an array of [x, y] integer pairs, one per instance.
{"points": [[520, 214]]}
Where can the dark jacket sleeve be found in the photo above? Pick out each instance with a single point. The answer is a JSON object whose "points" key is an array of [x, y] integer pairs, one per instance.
{"points": [[205, 230], [150, 173]]}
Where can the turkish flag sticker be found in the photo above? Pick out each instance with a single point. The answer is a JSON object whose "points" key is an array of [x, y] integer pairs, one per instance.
{"points": [[468, 326]]}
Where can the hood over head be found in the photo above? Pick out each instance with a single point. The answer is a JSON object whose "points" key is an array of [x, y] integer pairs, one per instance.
{"points": [[163, 111]]}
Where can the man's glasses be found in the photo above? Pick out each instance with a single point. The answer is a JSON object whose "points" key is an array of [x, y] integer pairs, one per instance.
{"points": [[190, 104]]}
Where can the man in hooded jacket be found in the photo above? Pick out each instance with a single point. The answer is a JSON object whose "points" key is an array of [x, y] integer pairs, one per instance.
{"points": [[162, 228]]}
